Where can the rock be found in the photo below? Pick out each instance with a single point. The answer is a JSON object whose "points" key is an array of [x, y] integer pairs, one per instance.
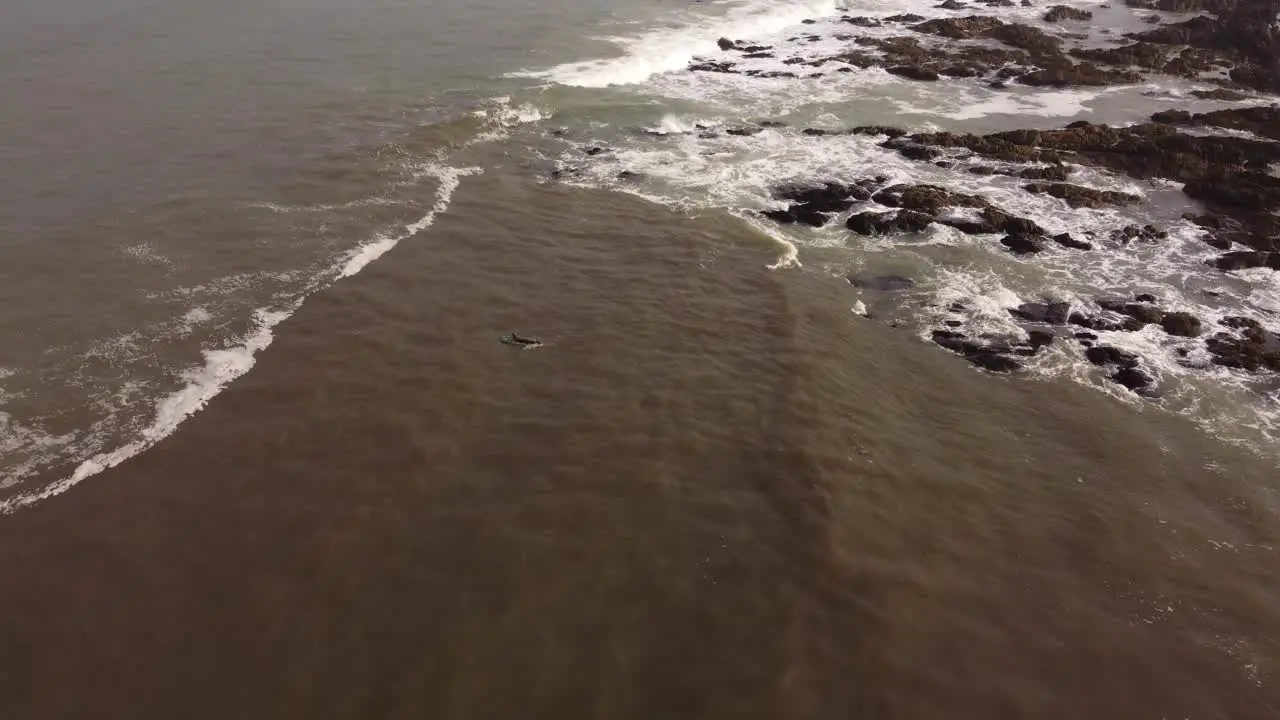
{"points": [[916, 151], [1239, 322], [760, 54], [930, 199], [1004, 222], [1078, 196], [1103, 355], [966, 28], [1023, 243], [969, 227], [1171, 117], [1145, 297], [1082, 74], [1247, 259], [1104, 324], [882, 283], [987, 356], [814, 205], [726, 44], [1181, 324], [913, 72], [1142, 312], [952, 5], [1145, 55], [1024, 37], [995, 362], [1129, 233], [709, 66], [1065, 240], [816, 132], [892, 132], [593, 151], [902, 221], [1040, 338], [1220, 94], [744, 131], [1135, 379], [1058, 173], [861, 21], [905, 18], [1055, 313], [1058, 13]]}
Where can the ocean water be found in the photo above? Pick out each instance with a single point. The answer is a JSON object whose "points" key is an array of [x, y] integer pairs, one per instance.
{"points": [[255, 263]]}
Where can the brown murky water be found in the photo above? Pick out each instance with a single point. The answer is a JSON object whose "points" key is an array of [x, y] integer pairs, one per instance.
{"points": [[708, 495], [713, 492]]}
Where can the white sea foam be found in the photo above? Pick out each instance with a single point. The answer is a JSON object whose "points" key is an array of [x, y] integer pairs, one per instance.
{"points": [[201, 384], [671, 47]]}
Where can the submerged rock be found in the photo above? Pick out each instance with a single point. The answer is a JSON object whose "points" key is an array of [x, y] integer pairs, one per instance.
{"points": [[1023, 243], [889, 223], [1058, 13]]}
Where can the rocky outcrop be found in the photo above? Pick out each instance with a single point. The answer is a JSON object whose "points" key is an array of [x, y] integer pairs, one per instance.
{"points": [[1078, 196], [890, 223], [814, 206], [1058, 13]]}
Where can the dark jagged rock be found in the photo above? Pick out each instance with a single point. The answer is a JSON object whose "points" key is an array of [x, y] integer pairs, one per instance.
{"points": [[1058, 173], [952, 5], [905, 18], [916, 151], [966, 28], [1067, 241], [1142, 312], [1055, 313], [1105, 324], [1247, 259], [1255, 349], [892, 132], [1057, 13], [1149, 56], [989, 356], [1004, 222], [928, 199], [1023, 243], [726, 44], [744, 131], [1024, 37], [861, 21], [593, 151], [1181, 324], [711, 66], [1263, 120], [815, 205], [1136, 380], [1107, 355], [913, 72], [1078, 196], [1040, 338], [1220, 94], [969, 227], [1129, 233], [1084, 74], [890, 223]]}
